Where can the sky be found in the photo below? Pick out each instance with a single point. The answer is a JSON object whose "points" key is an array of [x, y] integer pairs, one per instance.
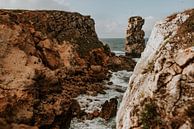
{"points": [[111, 16]]}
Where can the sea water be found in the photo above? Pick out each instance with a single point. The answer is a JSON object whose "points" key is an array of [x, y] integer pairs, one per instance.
{"points": [[116, 45], [91, 103]]}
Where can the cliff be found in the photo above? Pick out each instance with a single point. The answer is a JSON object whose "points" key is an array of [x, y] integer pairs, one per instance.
{"points": [[160, 92], [47, 58], [135, 42]]}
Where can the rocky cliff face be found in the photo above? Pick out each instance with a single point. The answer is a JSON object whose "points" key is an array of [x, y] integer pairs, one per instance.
{"points": [[161, 92], [135, 42], [47, 58], [43, 54]]}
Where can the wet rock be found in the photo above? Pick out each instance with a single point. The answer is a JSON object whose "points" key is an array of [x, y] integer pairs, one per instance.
{"points": [[135, 42], [109, 109]]}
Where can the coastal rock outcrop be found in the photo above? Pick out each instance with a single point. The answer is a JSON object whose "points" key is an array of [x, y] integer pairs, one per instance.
{"points": [[161, 92], [135, 42], [47, 58]]}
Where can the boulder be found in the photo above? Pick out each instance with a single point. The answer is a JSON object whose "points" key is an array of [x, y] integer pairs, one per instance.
{"points": [[109, 109]]}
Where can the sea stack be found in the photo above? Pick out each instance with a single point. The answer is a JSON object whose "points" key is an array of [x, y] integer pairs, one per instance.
{"points": [[135, 42]]}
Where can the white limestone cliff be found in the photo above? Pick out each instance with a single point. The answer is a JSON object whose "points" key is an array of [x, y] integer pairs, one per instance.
{"points": [[161, 89]]}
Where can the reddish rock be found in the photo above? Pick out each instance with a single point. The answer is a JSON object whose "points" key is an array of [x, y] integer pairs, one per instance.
{"points": [[47, 58], [117, 63], [44, 64]]}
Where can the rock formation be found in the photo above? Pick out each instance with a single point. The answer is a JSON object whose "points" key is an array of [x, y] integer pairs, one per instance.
{"points": [[47, 58], [161, 92], [135, 42], [109, 109]]}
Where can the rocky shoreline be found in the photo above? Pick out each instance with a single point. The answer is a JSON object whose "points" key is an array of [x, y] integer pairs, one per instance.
{"points": [[56, 74], [47, 59]]}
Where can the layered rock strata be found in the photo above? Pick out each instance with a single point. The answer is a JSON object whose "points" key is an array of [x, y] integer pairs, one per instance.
{"points": [[161, 92], [135, 42]]}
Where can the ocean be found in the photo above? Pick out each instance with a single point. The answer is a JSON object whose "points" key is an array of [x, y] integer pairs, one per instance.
{"points": [[117, 45], [90, 103]]}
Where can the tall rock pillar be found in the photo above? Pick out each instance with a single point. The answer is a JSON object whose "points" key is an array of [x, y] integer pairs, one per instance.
{"points": [[135, 42]]}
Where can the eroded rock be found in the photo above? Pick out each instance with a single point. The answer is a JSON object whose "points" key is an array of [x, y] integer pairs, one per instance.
{"points": [[45, 63], [135, 42]]}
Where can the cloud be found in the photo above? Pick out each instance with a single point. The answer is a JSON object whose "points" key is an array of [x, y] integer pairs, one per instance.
{"points": [[149, 18], [109, 28], [35, 4], [149, 23]]}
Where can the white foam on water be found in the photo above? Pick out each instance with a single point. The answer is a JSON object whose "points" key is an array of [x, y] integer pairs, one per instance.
{"points": [[97, 123], [121, 78], [92, 103], [118, 53]]}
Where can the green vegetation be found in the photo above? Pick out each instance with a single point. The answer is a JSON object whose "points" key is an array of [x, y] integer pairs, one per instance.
{"points": [[150, 117]]}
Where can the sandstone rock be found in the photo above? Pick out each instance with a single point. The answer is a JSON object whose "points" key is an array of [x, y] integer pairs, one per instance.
{"points": [[135, 42], [47, 59], [117, 63], [96, 68], [160, 92], [44, 64]]}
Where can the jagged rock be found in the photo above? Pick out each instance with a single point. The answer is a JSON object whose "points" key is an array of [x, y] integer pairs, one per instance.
{"points": [[161, 92], [135, 42], [44, 63], [109, 109], [47, 58]]}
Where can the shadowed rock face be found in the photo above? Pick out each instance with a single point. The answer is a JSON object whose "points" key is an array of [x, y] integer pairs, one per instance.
{"points": [[109, 109], [161, 92], [135, 42]]}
